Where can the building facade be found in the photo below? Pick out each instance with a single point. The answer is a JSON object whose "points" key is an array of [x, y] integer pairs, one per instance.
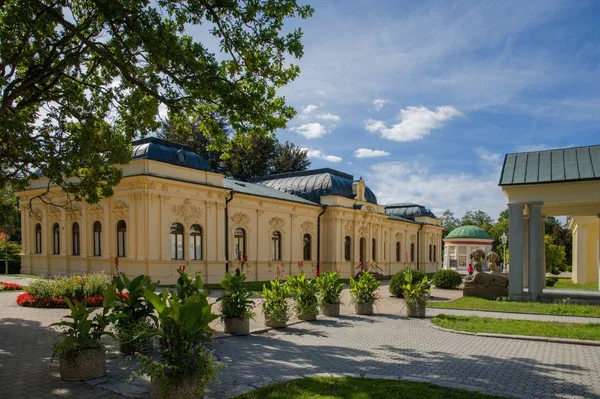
{"points": [[170, 210], [586, 249]]}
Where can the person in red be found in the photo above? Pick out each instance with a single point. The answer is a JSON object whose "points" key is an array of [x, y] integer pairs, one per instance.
{"points": [[470, 270]]}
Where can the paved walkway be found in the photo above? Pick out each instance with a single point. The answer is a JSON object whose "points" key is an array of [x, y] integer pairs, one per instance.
{"points": [[386, 344]]}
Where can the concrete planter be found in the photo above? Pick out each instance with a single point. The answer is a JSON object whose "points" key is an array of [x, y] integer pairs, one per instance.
{"points": [[237, 326], [331, 310], [85, 365], [275, 323], [190, 387], [415, 310], [363, 308], [307, 316]]}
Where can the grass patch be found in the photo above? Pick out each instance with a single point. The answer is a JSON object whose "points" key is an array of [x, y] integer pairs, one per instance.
{"points": [[358, 388], [568, 284], [587, 331], [566, 309]]}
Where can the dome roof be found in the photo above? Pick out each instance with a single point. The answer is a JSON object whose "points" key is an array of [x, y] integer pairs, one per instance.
{"points": [[469, 232], [312, 184], [408, 211], [169, 152]]}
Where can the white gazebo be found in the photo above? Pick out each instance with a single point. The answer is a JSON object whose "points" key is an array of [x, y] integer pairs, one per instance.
{"points": [[459, 244]]}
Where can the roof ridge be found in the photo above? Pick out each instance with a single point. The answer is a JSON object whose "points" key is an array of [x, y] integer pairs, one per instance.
{"points": [[303, 173]]}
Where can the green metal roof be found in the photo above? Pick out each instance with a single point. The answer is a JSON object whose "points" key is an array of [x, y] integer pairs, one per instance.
{"points": [[469, 232], [263, 191], [551, 166]]}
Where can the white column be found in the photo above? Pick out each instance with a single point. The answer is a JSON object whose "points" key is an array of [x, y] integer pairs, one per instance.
{"points": [[515, 287], [536, 248]]}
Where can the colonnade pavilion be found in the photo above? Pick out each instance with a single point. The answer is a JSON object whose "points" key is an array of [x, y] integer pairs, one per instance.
{"points": [[551, 183], [171, 209]]}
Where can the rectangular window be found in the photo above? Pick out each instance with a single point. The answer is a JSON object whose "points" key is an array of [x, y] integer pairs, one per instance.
{"points": [[121, 243], [97, 248]]}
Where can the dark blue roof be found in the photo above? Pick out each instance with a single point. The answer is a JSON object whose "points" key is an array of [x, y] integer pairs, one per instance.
{"points": [[312, 184], [262, 191], [408, 211], [169, 152]]}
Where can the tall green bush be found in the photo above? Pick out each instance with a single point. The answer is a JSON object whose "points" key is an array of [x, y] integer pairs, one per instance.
{"points": [[72, 287], [447, 279], [397, 281]]}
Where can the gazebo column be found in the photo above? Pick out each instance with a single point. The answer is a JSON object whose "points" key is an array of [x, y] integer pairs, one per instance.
{"points": [[515, 287], [526, 251], [536, 249]]}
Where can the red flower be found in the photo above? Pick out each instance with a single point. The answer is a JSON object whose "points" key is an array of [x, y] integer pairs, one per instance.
{"points": [[11, 286], [318, 272], [28, 300], [182, 268]]}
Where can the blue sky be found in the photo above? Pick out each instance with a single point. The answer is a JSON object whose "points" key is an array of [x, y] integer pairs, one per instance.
{"points": [[423, 99]]}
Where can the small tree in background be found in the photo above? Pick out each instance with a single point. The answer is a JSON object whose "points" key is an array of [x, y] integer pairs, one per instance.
{"points": [[555, 256]]}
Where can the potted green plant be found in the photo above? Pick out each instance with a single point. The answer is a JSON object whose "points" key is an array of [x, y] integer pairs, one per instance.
{"points": [[416, 295], [304, 293], [131, 313], [275, 304], [363, 291], [330, 292], [183, 365], [236, 306], [79, 349]]}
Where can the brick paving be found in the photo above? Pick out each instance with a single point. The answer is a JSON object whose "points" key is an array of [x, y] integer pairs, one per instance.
{"points": [[387, 344]]}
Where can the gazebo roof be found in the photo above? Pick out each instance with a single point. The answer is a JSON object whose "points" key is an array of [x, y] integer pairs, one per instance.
{"points": [[469, 232]]}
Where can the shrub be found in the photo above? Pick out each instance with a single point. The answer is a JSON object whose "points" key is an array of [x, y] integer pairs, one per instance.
{"points": [[275, 305], [235, 301], [550, 281], [304, 292], [330, 289], [10, 286], [72, 287], [447, 279], [397, 281], [364, 289]]}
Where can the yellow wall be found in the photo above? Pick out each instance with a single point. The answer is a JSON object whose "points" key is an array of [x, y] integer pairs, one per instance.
{"points": [[585, 248], [153, 195]]}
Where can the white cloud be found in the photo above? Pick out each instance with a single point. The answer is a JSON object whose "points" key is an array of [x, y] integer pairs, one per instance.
{"points": [[320, 155], [374, 126], [309, 109], [415, 123], [310, 130], [163, 111], [408, 181], [532, 147], [379, 103], [489, 157], [367, 153], [329, 117]]}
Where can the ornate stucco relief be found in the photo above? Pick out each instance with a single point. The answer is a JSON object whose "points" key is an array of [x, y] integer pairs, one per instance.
{"points": [[120, 209], [349, 228], [308, 227], [241, 220], [187, 212], [277, 223], [363, 230]]}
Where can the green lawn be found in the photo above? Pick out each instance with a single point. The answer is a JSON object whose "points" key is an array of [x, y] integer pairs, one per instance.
{"points": [[358, 388], [471, 303], [586, 331], [568, 284]]}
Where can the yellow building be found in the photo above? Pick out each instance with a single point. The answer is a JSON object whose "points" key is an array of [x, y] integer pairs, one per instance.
{"points": [[170, 210], [585, 249]]}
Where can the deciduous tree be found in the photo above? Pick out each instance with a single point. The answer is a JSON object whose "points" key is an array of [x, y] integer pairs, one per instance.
{"points": [[80, 79]]}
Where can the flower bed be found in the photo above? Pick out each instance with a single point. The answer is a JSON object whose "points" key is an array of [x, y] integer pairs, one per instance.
{"points": [[28, 300], [10, 286]]}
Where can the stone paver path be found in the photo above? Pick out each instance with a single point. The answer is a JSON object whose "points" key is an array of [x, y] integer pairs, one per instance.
{"points": [[432, 312], [386, 344]]}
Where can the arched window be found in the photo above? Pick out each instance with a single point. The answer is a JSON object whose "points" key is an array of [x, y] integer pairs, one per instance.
{"points": [[362, 249], [374, 250], [38, 238], [307, 247], [56, 239], [435, 253], [121, 238], [239, 239], [195, 242], [97, 238], [347, 248], [276, 245], [176, 241], [412, 251], [430, 253], [76, 246], [398, 252]]}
